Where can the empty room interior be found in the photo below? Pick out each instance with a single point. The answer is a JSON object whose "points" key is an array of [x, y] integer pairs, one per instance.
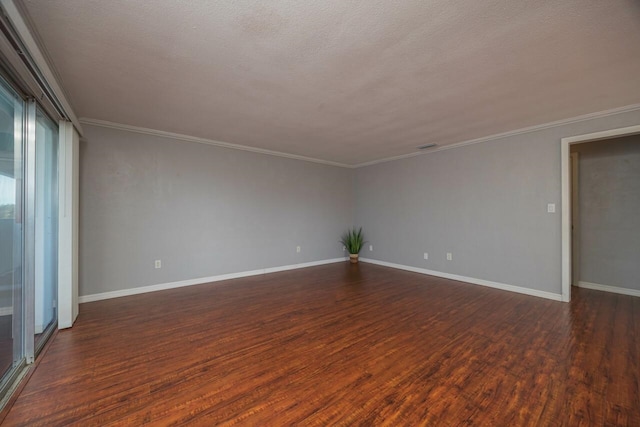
{"points": [[319, 213]]}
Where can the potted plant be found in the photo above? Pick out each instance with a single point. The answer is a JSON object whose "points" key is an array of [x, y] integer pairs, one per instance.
{"points": [[353, 241]]}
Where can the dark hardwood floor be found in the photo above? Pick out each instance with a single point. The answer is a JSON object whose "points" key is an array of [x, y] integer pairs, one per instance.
{"points": [[339, 345]]}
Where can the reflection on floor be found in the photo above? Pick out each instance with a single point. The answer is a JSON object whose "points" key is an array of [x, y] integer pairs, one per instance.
{"points": [[6, 344]]}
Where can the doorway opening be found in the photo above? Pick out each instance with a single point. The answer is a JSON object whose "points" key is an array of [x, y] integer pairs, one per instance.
{"points": [[570, 235]]}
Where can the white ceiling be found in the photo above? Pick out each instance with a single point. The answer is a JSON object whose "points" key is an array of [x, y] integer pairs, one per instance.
{"points": [[344, 81]]}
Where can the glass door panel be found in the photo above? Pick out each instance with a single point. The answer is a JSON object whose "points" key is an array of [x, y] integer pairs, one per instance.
{"points": [[46, 223], [11, 231]]}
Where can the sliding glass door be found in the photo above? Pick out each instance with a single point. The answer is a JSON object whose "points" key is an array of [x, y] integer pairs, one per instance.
{"points": [[11, 231], [28, 232]]}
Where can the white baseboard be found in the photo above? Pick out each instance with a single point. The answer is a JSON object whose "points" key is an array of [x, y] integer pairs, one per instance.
{"points": [[202, 280], [481, 282], [607, 288], [6, 311]]}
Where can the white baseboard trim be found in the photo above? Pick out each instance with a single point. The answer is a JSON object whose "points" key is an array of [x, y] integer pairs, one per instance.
{"points": [[6, 311], [607, 288], [481, 282], [202, 280]]}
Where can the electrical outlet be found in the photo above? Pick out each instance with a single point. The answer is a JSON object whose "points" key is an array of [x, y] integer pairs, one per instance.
{"points": [[551, 208], [298, 249], [158, 263], [449, 256], [426, 255], [370, 248]]}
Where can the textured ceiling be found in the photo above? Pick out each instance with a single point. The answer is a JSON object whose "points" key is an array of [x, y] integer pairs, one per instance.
{"points": [[345, 81]]}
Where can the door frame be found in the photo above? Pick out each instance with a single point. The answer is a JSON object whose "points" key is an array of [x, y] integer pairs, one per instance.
{"points": [[565, 163], [575, 223]]}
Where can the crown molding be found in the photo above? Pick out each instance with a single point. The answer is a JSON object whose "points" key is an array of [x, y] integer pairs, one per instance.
{"points": [[187, 138], [530, 129]]}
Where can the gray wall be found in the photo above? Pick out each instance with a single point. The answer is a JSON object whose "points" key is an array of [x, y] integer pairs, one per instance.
{"points": [[609, 212], [486, 203], [202, 210], [207, 210]]}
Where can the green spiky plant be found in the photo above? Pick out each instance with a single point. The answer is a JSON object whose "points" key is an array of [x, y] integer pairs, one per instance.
{"points": [[353, 240]]}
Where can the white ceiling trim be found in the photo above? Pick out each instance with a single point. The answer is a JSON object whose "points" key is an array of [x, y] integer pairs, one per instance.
{"points": [[187, 138], [530, 129]]}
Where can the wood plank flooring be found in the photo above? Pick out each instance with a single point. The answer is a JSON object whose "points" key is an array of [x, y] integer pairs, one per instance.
{"points": [[341, 344]]}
